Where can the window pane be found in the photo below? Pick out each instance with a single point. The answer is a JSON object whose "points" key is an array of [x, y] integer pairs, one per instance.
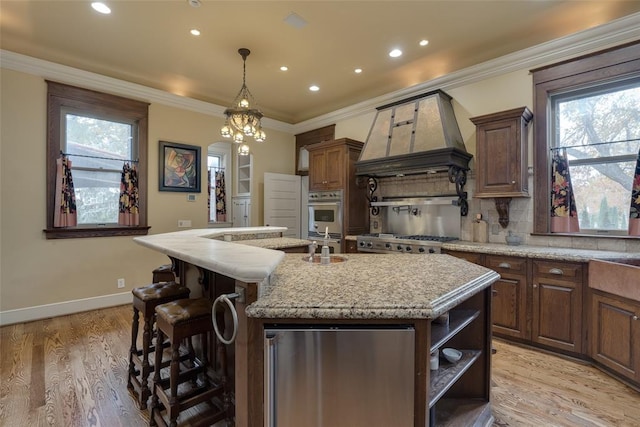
{"points": [[600, 128], [600, 209], [87, 136], [97, 195]]}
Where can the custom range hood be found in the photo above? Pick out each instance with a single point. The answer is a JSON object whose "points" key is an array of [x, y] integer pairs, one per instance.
{"points": [[412, 136]]}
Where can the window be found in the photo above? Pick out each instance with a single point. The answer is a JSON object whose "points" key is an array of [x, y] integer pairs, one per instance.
{"points": [[98, 133], [218, 161], [600, 130], [589, 107]]}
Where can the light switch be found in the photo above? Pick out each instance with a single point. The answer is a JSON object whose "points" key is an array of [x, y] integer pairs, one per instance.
{"points": [[184, 223]]}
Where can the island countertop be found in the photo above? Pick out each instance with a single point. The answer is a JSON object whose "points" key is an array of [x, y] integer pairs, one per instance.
{"points": [[369, 286], [207, 249]]}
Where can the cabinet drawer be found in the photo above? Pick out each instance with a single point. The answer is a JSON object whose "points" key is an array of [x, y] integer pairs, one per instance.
{"points": [[507, 264], [565, 271], [473, 257]]}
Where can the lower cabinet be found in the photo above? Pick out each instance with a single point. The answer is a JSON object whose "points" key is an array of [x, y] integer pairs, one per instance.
{"points": [[351, 246], [557, 305], [615, 334], [509, 302], [536, 300]]}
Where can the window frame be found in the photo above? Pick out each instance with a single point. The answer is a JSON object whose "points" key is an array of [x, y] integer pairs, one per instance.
{"points": [[61, 98], [600, 68]]}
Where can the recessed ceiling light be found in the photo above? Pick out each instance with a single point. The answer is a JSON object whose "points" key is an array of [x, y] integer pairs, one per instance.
{"points": [[395, 53], [100, 7], [314, 88], [424, 42], [194, 3], [284, 68], [357, 70], [195, 32]]}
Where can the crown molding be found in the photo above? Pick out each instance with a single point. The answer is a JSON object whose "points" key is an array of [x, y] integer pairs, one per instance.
{"points": [[614, 33], [74, 76]]}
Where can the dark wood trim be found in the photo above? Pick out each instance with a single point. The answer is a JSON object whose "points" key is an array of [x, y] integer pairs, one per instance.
{"points": [[614, 64], [105, 106], [73, 233]]}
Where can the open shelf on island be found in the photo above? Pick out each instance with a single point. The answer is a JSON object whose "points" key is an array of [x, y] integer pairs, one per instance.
{"points": [[458, 320], [448, 373]]}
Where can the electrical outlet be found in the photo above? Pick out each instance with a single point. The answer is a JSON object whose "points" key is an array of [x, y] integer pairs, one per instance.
{"points": [[120, 283], [184, 223]]}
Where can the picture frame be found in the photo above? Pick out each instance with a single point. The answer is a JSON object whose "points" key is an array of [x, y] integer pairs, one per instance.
{"points": [[179, 167]]}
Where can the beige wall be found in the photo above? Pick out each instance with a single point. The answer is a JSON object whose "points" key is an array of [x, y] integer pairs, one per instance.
{"points": [[35, 271]]}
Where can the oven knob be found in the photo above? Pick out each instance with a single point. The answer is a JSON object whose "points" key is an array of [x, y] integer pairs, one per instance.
{"points": [[421, 250], [399, 248], [432, 251], [408, 249], [361, 244], [387, 245], [369, 244]]}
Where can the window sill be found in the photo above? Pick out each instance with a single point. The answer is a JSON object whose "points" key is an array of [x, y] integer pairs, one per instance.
{"points": [[79, 232]]}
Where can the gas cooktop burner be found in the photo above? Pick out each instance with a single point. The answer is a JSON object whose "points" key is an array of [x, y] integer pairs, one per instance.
{"points": [[387, 243]]}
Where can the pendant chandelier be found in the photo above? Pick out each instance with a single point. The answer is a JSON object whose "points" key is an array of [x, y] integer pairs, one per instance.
{"points": [[243, 117]]}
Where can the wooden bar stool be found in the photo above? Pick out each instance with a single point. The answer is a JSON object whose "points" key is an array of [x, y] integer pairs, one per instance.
{"points": [[164, 273], [180, 320], [145, 300]]}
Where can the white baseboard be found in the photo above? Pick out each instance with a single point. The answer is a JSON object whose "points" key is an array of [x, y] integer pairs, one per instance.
{"points": [[62, 308]]}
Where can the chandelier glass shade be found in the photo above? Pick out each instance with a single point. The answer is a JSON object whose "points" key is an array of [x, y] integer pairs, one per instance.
{"points": [[243, 118]]}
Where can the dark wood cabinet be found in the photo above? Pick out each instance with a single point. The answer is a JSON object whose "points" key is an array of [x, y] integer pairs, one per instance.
{"points": [[615, 334], [327, 167], [557, 305], [509, 302], [537, 301], [332, 167], [501, 153]]}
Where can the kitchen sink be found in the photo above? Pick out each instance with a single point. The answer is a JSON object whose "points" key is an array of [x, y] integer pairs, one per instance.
{"points": [[332, 259]]}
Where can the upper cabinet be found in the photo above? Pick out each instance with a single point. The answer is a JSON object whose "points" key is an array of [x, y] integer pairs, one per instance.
{"points": [[501, 153], [332, 163]]}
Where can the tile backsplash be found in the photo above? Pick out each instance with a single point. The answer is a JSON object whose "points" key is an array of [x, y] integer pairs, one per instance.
{"points": [[520, 213]]}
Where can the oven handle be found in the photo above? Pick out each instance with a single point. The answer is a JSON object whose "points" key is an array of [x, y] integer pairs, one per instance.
{"points": [[314, 203]]}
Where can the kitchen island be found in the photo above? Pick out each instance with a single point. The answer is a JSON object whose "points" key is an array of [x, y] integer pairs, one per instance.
{"points": [[363, 290]]}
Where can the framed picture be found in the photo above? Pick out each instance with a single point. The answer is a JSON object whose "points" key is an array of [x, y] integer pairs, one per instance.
{"points": [[179, 167]]}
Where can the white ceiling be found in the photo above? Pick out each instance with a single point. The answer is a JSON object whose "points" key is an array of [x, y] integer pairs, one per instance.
{"points": [[148, 42]]}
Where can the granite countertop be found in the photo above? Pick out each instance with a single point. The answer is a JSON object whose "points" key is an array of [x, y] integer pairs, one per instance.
{"points": [[206, 248], [543, 252], [276, 242], [369, 286]]}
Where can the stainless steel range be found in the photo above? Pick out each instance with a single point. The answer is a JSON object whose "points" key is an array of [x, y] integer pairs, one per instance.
{"points": [[389, 243], [413, 225]]}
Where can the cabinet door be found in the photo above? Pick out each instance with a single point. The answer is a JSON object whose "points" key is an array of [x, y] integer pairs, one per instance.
{"points": [[501, 153], [509, 301], [557, 305], [334, 168], [615, 334], [317, 170]]}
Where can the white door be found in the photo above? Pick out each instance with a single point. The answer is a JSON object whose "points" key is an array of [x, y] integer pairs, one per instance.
{"points": [[282, 202]]}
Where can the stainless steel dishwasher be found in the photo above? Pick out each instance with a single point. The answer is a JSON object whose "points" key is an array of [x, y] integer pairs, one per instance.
{"points": [[339, 376]]}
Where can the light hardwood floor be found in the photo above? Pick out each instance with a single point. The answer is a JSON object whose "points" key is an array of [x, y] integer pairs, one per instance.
{"points": [[72, 371]]}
